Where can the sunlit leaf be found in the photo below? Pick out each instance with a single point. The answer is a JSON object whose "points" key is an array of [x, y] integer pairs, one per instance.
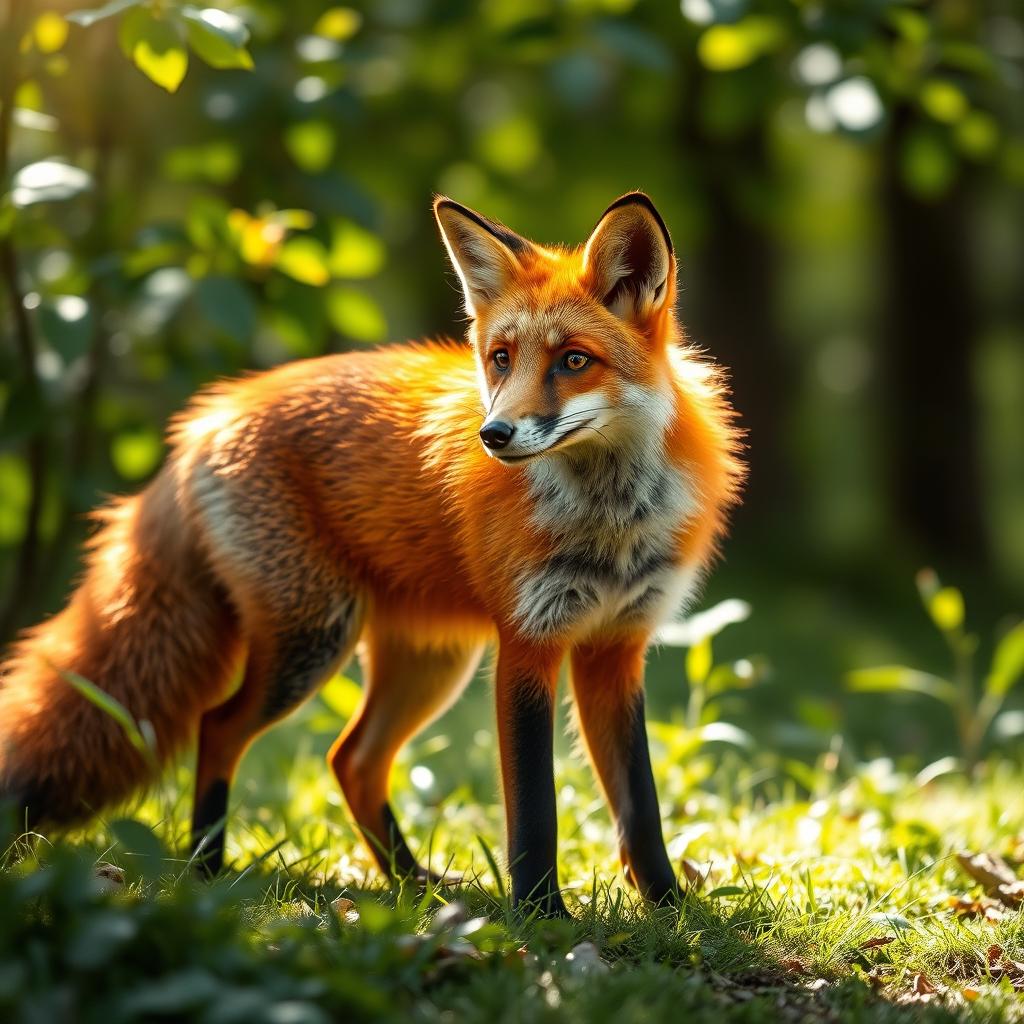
{"points": [[342, 695], [937, 769], [897, 678], [305, 260], [219, 37], [511, 145], [356, 314], [310, 144], [355, 252], [731, 47], [90, 17], [49, 32], [943, 100], [1007, 663], [977, 135], [338, 23], [112, 707], [155, 47], [15, 487], [48, 181], [699, 661], [946, 607], [708, 623], [725, 732], [136, 453]]}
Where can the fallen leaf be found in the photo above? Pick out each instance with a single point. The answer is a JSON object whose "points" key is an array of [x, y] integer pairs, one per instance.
{"points": [[922, 986], [793, 966], [987, 868], [695, 874], [970, 994], [881, 940]]}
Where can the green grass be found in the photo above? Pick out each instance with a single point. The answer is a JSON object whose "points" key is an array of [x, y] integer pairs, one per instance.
{"points": [[802, 867]]}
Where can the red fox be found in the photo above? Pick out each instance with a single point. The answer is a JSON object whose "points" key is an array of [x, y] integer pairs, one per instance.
{"points": [[557, 485]]}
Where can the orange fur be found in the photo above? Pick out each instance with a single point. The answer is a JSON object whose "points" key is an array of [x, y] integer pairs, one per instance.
{"points": [[350, 496]]}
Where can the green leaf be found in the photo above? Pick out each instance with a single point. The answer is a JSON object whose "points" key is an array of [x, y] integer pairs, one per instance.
{"points": [[138, 839], [342, 695], [140, 737], [305, 260], [1007, 663], [155, 47], [699, 661], [356, 314], [943, 100], [355, 252], [48, 181], [708, 623], [311, 145], [927, 163], [228, 305], [338, 23], [946, 607], [108, 10], [898, 678], [219, 37], [136, 453], [725, 732]]}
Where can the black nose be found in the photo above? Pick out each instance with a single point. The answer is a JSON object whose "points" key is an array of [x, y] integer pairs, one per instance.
{"points": [[497, 434]]}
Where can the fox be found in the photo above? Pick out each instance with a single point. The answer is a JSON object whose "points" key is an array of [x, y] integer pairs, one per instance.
{"points": [[556, 485]]}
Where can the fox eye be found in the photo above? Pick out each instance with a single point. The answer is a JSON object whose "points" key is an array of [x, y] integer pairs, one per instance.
{"points": [[501, 359], [575, 361]]}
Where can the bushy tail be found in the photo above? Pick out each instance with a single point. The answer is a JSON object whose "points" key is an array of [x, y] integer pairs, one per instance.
{"points": [[148, 625]]}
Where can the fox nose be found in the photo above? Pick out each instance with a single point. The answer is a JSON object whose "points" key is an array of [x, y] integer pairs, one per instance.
{"points": [[496, 434]]}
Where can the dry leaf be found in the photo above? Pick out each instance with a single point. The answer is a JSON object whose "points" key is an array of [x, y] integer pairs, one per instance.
{"points": [[881, 940], [695, 874], [793, 966], [987, 868], [922, 986]]}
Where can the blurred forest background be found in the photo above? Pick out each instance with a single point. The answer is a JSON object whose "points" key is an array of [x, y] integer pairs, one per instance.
{"points": [[189, 193]]}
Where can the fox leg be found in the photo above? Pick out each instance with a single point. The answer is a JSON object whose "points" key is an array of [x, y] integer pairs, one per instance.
{"points": [[406, 686], [607, 682], [527, 679], [286, 664]]}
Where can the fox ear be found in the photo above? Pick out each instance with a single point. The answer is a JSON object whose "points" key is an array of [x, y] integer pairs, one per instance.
{"points": [[628, 261], [485, 254]]}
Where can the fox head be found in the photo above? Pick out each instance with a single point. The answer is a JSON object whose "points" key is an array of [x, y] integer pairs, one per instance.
{"points": [[572, 345]]}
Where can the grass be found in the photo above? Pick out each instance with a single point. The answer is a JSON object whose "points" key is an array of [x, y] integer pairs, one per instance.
{"points": [[828, 891]]}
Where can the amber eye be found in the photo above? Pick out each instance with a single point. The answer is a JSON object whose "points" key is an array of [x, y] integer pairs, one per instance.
{"points": [[501, 359], [575, 361]]}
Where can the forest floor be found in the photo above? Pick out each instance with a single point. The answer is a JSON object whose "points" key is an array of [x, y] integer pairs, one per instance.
{"points": [[845, 899]]}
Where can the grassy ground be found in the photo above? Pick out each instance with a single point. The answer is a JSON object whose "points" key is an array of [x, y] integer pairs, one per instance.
{"points": [[817, 892]]}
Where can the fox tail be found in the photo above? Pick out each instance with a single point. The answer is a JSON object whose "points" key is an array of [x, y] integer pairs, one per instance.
{"points": [[150, 626]]}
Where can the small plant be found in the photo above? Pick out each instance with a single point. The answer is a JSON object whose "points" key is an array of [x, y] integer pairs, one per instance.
{"points": [[707, 681], [976, 711]]}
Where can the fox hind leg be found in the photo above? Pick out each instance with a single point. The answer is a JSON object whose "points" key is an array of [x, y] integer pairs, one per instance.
{"points": [[287, 663], [406, 686]]}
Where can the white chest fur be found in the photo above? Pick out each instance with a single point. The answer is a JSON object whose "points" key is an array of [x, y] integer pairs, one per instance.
{"points": [[614, 517]]}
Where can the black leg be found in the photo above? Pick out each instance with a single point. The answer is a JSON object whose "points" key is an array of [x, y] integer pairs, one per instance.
{"points": [[526, 723]]}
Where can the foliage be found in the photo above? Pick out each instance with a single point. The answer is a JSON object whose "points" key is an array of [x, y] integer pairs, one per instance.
{"points": [[974, 714], [845, 906]]}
